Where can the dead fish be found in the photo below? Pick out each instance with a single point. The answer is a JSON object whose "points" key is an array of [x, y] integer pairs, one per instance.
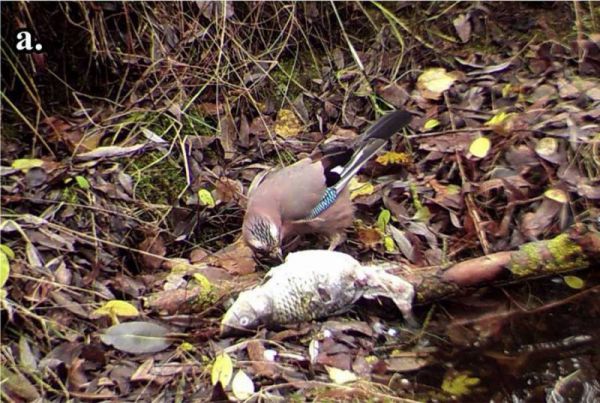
{"points": [[314, 284]]}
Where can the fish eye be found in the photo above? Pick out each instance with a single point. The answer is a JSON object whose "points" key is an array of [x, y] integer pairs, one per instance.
{"points": [[244, 321]]}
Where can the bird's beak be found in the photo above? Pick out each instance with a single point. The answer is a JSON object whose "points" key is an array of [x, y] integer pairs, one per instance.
{"points": [[277, 253]]}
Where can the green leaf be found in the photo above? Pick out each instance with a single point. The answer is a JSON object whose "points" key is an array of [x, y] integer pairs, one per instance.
{"points": [[6, 249], [574, 282], [82, 182], [430, 124], [222, 370], [206, 198], [25, 164], [4, 268], [383, 219]]}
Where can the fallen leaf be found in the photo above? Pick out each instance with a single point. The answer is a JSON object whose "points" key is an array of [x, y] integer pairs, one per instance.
{"points": [[574, 282], [205, 198], [359, 188], [383, 219], [459, 384], [137, 337], [25, 164], [394, 158], [4, 268], [109, 152], [82, 182], [155, 245], [369, 237], [116, 308], [463, 27], [430, 124], [340, 376], [480, 147], [222, 370], [557, 195], [434, 81], [287, 124], [242, 386]]}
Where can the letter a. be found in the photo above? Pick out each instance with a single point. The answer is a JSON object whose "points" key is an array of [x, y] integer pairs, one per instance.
{"points": [[24, 41]]}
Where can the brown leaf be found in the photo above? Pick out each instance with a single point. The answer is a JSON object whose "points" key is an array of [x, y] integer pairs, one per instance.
{"points": [[155, 245], [533, 224], [393, 93], [227, 190], [262, 367], [463, 27], [227, 136], [369, 237], [210, 108], [236, 258], [261, 125]]}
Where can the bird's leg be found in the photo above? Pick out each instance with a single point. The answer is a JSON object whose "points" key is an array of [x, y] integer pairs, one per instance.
{"points": [[336, 239]]}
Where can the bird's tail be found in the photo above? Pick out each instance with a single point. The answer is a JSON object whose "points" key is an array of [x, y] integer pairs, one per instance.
{"points": [[370, 142]]}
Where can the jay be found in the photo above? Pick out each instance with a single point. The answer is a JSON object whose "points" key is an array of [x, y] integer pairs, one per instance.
{"points": [[311, 196]]}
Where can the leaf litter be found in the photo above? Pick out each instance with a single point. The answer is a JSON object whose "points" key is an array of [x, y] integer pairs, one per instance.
{"points": [[133, 186]]}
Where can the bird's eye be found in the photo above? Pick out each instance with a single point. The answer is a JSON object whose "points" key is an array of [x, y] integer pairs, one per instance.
{"points": [[244, 321]]}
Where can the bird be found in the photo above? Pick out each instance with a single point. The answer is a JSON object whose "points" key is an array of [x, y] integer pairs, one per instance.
{"points": [[312, 195]]}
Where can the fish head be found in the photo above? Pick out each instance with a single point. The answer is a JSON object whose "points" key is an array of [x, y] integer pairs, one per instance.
{"points": [[251, 310]]}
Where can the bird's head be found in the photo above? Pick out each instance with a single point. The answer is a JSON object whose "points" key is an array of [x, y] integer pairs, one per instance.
{"points": [[262, 234]]}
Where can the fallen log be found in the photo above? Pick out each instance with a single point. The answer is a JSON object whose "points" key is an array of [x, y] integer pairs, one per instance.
{"points": [[578, 248]]}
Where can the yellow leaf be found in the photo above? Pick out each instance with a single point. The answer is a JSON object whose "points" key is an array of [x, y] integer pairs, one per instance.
{"points": [[205, 198], [574, 282], [498, 119], [480, 147], [222, 370], [6, 249], [117, 307], [4, 268], [435, 80], [546, 147], [340, 376], [186, 346], [202, 281], [287, 123], [242, 386], [25, 164], [392, 157], [430, 124], [360, 188], [388, 243], [506, 90], [557, 195], [459, 384]]}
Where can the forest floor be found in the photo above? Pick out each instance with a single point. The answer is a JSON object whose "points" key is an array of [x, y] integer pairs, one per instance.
{"points": [[129, 143]]}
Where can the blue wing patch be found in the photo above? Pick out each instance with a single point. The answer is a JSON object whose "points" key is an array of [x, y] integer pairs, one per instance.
{"points": [[327, 201]]}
